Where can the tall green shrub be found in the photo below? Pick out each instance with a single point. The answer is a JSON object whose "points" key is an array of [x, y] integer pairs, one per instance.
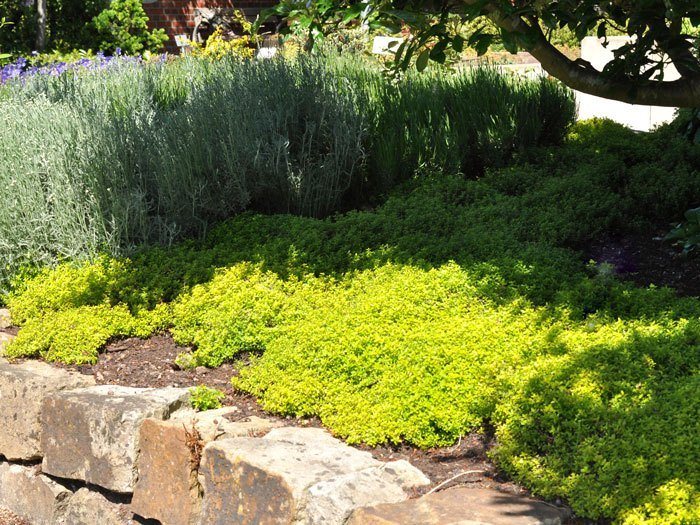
{"points": [[124, 25]]}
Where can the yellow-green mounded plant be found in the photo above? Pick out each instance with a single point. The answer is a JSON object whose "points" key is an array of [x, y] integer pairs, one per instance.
{"points": [[203, 398], [219, 45]]}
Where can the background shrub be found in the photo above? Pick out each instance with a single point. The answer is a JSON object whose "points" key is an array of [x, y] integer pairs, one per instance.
{"points": [[80, 24], [123, 26], [19, 15]]}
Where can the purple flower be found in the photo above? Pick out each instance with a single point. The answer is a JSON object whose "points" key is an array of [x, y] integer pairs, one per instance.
{"points": [[21, 70]]}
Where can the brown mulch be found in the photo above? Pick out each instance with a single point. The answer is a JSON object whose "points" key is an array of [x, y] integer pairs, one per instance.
{"points": [[150, 363]]}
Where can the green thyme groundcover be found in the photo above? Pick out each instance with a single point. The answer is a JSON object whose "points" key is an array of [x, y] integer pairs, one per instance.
{"points": [[456, 305]]}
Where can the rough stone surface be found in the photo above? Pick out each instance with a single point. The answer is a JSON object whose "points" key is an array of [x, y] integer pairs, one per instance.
{"points": [[462, 506], [5, 318], [22, 389], [92, 433], [333, 500], [168, 489], [31, 495], [10, 518], [295, 475], [214, 424], [5, 339], [91, 508]]}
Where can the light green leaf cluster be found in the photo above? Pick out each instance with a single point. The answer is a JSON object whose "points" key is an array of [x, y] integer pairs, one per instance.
{"points": [[204, 398]]}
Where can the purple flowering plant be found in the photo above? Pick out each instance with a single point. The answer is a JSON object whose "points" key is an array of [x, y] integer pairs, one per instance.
{"points": [[23, 68]]}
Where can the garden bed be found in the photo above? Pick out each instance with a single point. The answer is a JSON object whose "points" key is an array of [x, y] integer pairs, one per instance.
{"points": [[459, 298], [643, 258], [150, 363]]}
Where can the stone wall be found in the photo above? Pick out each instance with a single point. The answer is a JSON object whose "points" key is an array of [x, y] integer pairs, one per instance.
{"points": [[75, 453]]}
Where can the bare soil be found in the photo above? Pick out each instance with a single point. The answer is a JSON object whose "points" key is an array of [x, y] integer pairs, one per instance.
{"points": [[645, 259]]}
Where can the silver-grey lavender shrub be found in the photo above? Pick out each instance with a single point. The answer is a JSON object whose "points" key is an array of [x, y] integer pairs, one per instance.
{"points": [[106, 159]]}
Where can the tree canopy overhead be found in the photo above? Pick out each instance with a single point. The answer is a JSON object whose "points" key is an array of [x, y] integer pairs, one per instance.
{"points": [[662, 32]]}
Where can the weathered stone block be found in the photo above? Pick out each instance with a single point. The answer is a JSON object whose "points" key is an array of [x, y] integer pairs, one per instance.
{"points": [[5, 318], [168, 489], [214, 424], [333, 500], [462, 505], [31, 495], [92, 433], [86, 507], [294, 475], [22, 389]]}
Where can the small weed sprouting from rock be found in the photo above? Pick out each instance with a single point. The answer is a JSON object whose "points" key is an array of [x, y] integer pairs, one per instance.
{"points": [[204, 398]]}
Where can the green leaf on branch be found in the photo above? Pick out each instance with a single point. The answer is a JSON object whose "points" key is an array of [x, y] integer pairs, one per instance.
{"points": [[438, 50], [602, 31], [422, 60], [509, 41], [354, 12], [458, 43]]}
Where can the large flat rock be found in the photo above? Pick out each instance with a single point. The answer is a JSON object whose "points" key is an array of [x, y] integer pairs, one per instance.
{"points": [[462, 506], [23, 388], [168, 488], [295, 475], [31, 495], [334, 499], [86, 507], [92, 434]]}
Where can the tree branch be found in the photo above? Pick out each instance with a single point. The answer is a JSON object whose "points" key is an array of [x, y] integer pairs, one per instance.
{"points": [[683, 59], [684, 92]]}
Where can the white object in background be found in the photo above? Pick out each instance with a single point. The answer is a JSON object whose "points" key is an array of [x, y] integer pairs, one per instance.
{"points": [[640, 118], [266, 52], [532, 71], [385, 45], [182, 41]]}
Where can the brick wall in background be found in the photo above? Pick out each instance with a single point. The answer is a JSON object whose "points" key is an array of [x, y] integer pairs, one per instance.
{"points": [[177, 16]]}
